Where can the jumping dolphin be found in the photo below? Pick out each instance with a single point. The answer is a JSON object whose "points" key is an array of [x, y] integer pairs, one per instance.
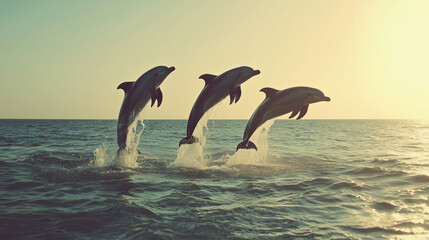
{"points": [[216, 89], [137, 95], [277, 103]]}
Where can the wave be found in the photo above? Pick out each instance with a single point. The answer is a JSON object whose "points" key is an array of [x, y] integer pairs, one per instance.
{"points": [[411, 225], [348, 185], [22, 185], [5, 141], [384, 206], [388, 161], [380, 171], [60, 159], [366, 230], [419, 178]]}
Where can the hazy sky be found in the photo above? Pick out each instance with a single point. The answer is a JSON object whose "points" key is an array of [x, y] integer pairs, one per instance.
{"points": [[64, 59]]}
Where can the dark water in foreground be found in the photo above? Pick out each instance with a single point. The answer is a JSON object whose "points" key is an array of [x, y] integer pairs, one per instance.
{"points": [[322, 179]]}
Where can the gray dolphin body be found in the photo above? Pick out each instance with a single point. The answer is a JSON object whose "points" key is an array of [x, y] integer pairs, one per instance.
{"points": [[137, 95], [216, 89], [277, 103]]}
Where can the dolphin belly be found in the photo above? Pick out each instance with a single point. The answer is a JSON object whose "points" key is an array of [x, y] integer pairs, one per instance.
{"points": [[128, 117], [208, 98]]}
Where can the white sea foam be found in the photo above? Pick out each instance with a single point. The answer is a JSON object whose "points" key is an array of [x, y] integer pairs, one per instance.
{"points": [[101, 157], [104, 157], [192, 155], [250, 156]]}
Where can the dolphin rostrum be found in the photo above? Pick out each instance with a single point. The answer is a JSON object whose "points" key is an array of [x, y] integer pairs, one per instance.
{"points": [[277, 103], [137, 95], [216, 89]]}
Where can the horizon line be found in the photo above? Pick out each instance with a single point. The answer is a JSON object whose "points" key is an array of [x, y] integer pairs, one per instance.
{"points": [[161, 119]]}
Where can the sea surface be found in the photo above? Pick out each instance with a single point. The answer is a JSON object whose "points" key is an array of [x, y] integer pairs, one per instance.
{"points": [[310, 179]]}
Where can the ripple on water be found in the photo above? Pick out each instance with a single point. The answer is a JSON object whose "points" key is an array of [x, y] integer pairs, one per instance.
{"points": [[384, 206], [367, 170], [413, 224], [373, 185], [348, 185], [381, 230], [20, 185], [390, 162], [316, 182], [288, 187], [419, 178]]}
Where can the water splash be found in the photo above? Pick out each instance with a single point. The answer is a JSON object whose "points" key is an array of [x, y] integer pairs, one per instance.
{"points": [[192, 155], [102, 157], [127, 158], [250, 156]]}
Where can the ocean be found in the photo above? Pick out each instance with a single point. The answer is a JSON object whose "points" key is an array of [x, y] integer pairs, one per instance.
{"points": [[310, 179]]}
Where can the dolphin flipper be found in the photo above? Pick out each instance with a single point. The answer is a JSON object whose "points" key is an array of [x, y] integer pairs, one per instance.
{"points": [[246, 145], [156, 95], [152, 97], [231, 95], [296, 109], [234, 94], [237, 93], [303, 111], [159, 96]]}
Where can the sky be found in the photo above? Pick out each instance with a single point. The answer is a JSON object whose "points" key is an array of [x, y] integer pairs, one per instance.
{"points": [[65, 59]]}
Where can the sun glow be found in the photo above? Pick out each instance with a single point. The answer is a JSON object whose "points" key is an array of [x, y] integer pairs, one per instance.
{"points": [[370, 57]]}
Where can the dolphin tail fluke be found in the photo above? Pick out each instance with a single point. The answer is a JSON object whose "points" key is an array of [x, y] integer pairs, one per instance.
{"points": [[121, 152], [188, 140], [246, 145]]}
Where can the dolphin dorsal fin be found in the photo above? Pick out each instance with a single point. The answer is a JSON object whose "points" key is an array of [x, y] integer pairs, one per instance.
{"points": [[125, 86], [208, 78], [269, 91]]}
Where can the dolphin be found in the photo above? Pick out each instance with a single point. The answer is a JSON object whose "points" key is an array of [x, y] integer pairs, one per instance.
{"points": [[215, 90], [137, 95], [277, 103]]}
